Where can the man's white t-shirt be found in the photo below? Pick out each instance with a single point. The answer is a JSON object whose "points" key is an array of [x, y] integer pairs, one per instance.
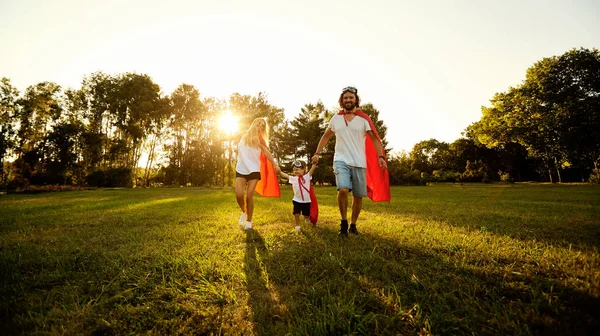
{"points": [[295, 181], [248, 160], [350, 140]]}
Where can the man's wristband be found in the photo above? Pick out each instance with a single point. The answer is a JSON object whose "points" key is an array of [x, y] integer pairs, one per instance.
{"points": [[382, 157]]}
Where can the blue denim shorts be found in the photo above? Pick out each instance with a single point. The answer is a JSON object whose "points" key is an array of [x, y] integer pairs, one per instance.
{"points": [[353, 178]]}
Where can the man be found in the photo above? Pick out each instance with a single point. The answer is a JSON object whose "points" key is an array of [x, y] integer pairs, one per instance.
{"points": [[358, 162]]}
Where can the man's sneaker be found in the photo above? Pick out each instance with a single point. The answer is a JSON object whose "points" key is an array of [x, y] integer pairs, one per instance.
{"points": [[298, 229], [242, 219], [353, 229], [248, 226], [343, 229]]}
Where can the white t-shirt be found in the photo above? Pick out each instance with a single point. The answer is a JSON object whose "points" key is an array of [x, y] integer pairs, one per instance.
{"points": [[295, 181], [350, 140], [248, 160]]}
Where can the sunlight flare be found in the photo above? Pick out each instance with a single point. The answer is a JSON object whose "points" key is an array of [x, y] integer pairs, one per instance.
{"points": [[228, 123]]}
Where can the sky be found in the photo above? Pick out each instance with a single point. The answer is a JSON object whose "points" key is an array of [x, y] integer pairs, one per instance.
{"points": [[427, 66]]}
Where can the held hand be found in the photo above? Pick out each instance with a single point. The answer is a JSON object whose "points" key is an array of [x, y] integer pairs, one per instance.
{"points": [[315, 159], [382, 164]]}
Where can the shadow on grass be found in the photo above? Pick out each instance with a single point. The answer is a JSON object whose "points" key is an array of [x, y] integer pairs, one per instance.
{"points": [[320, 284]]}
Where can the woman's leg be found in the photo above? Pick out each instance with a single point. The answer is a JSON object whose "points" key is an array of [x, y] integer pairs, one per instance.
{"points": [[250, 199], [240, 185]]}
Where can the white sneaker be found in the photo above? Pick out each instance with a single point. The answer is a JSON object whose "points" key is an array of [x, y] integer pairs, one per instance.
{"points": [[298, 229], [242, 219], [248, 226]]}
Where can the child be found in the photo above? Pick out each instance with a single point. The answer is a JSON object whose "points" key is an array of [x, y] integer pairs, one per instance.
{"points": [[301, 185], [255, 170]]}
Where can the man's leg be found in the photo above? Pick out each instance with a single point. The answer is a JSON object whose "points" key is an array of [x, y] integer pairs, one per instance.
{"points": [[359, 190], [342, 198], [356, 207], [343, 182]]}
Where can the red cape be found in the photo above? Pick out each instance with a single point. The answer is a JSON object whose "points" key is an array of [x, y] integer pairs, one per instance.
{"points": [[268, 185], [314, 205], [378, 181]]}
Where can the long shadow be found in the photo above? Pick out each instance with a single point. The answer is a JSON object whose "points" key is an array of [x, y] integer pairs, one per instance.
{"points": [[319, 284]]}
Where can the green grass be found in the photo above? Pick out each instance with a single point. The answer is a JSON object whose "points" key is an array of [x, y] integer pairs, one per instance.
{"points": [[445, 259]]}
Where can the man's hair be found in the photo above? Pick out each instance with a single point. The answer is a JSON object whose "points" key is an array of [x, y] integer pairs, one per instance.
{"points": [[340, 101]]}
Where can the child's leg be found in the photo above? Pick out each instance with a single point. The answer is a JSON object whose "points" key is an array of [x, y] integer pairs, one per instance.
{"points": [[297, 219], [250, 199], [240, 185]]}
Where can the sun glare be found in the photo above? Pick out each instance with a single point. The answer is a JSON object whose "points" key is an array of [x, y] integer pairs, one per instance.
{"points": [[228, 123]]}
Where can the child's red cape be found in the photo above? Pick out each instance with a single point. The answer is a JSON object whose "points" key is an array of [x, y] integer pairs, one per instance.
{"points": [[378, 181], [314, 206], [268, 185]]}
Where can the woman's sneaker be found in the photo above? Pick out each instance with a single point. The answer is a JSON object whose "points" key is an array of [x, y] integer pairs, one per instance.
{"points": [[242, 219], [248, 226]]}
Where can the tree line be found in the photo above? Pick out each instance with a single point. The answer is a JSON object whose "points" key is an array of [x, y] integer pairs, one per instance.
{"points": [[121, 130]]}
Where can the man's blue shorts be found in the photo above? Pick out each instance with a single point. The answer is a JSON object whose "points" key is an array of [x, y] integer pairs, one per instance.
{"points": [[353, 178]]}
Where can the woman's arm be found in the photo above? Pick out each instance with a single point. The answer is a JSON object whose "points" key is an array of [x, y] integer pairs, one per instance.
{"points": [[270, 157]]}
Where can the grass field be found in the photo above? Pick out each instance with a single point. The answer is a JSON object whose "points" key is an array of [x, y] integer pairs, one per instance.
{"points": [[443, 260]]}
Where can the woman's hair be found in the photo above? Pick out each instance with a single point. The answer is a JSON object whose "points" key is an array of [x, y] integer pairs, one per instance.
{"points": [[352, 90], [251, 136]]}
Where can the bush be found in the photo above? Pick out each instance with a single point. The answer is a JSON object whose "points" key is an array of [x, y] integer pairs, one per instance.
{"points": [[595, 176], [17, 184], [505, 177], [113, 177]]}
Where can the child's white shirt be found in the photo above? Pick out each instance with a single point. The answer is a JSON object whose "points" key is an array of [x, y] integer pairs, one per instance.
{"points": [[295, 181]]}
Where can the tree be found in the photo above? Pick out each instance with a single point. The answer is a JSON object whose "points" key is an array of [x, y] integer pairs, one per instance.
{"points": [[41, 108], [373, 113], [8, 118], [549, 114], [430, 155]]}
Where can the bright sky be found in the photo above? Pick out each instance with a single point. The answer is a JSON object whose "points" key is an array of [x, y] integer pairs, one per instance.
{"points": [[428, 66]]}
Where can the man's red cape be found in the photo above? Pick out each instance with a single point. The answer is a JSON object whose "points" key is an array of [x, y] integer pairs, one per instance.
{"points": [[378, 181], [268, 185], [314, 206]]}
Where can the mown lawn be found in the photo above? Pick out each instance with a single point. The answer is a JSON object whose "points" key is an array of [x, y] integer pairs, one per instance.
{"points": [[443, 260]]}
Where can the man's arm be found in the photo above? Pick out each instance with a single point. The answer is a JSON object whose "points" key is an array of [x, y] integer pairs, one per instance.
{"points": [[378, 148], [324, 139]]}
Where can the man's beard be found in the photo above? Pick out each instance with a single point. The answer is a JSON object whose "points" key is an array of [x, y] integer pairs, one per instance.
{"points": [[349, 106]]}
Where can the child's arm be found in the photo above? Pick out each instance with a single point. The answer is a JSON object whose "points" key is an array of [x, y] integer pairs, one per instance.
{"points": [[284, 175], [312, 170]]}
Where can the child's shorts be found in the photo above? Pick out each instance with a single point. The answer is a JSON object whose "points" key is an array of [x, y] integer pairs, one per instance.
{"points": [[301, 208]]}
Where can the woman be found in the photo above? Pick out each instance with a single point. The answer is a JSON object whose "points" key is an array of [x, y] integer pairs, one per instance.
{"points": [[255, 170]]}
